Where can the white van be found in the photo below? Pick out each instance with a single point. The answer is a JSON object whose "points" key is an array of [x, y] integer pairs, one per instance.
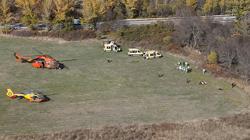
{"points": [[152, 54], [135, 52], [111, 46]]}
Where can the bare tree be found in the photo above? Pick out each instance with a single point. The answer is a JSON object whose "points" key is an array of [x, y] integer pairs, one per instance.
{"points": [[190, 32]]}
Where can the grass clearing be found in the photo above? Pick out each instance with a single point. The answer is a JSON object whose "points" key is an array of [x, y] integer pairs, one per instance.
{"points": [[95, 93]]}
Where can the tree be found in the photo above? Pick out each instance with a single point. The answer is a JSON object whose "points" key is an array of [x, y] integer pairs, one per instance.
{"points": [[212, 58], [5, 13], [47, 6], [62, 8], [133, 7], [208, 6], [145, 6], [184, 11], [28, 10], [213, 6], [242, 28], [93, 9], [240, 8], [222, 5], [191, 32], [192, 3], [178, 4], [114, 9], [229, 57]]}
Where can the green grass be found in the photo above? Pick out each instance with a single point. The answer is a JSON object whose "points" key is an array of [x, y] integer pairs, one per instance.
{"points": [[94, 93]]}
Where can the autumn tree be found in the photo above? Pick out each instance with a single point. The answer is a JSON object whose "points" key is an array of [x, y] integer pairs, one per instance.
{"points": [[92, 10], [133, 7], [145, 7], [222, 5], [240, 7], [213, 6], [242, 28], [62, 8], [208, 6], [192, 4], [47, 6], [5, 13], [114, 9], [28, 8]]}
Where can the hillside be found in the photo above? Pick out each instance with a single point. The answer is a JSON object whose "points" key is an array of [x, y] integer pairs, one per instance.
{"points": [[227, 128]]}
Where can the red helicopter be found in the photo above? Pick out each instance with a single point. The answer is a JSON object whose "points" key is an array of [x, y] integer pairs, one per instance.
{"points": [[40, 61]]}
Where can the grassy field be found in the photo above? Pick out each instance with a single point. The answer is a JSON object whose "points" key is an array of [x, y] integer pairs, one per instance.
{"points": [[94, 93]]}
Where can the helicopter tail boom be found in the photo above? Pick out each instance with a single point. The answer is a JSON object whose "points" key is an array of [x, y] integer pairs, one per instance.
{"points": [[23, 59]]}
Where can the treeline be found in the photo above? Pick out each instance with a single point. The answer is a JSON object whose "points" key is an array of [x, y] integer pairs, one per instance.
{"points": [[31, 12], [223, 45], [224, 49]]}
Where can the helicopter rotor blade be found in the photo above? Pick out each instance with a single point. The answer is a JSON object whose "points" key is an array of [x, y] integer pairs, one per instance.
{"points": [[52, 94], [35, 49], [68, 60], [66, 67]]}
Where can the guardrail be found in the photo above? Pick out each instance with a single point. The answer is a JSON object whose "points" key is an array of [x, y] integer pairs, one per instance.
{"points": [[222, 19]]}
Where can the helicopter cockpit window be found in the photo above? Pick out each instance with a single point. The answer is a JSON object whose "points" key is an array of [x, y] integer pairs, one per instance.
{"points": [[40, 60]]}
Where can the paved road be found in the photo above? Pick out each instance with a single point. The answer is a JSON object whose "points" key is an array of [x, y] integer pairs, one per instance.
{"points": [[223, 19]]}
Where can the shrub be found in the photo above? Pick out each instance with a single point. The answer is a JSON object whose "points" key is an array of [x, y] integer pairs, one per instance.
{"points": [[29, 20], [153, 34], [164, 10], [105, 27], [24, 33], [68, 26], [5, 30], [69, 35], [78, 35], [167, 40], [212, 58]]}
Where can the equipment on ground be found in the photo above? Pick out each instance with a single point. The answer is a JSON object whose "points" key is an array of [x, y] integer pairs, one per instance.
{"points": [[202, 83], [233, 85], [111, 46], [184, 66], [204, 71], [40, 61], [135, 52], [152, 54], [32, 96], [220, 88]]}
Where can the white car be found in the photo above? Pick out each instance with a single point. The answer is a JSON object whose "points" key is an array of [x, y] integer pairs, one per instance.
{"points": [[111, 46], [135, 52], [152, 54]]}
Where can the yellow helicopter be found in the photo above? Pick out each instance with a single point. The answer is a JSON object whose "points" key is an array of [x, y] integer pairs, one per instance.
{"points": [[32, 96]]}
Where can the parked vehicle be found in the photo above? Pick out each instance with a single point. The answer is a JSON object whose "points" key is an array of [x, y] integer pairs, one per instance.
{"points": [[18, 26], [76, 21], [77, 24], [152, 54], [135, 52], [111, 46], [41, 26]]}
